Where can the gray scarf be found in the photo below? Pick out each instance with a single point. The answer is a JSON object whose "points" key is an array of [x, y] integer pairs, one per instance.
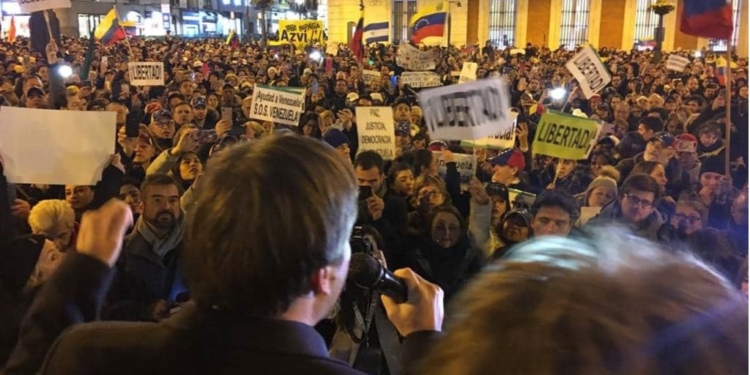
{"points": [[160, 246]]}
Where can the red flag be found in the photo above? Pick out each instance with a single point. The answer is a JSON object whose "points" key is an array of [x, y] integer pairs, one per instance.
{"points": [[356, 44], [205, 71]]}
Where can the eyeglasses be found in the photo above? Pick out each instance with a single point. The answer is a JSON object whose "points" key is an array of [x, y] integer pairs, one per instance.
{"points": [[429, 194], [688, 218], [635, 201]]}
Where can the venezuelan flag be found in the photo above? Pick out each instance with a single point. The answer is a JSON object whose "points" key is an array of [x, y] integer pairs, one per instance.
{"points": [[109, 30], [707, 18], [721, 71], [429, 22]]}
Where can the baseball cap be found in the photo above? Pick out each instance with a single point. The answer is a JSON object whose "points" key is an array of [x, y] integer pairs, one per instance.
{"points": [[497, 189], [686, 143], [161, 113], [522, 214], [335, 138], [665, 138], [199, 101], [34, 91], [511, 158]]}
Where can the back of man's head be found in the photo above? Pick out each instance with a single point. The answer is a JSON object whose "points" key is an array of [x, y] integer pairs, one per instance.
{"points": [[613, 304], [654, 124], [269, 215]]}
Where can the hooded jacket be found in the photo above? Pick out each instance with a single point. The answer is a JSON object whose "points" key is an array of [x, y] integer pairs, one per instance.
{"points": [[653, 228]]}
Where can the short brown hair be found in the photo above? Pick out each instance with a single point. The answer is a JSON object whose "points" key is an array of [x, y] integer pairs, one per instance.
{"points": [[268, 215], [612, 304]]}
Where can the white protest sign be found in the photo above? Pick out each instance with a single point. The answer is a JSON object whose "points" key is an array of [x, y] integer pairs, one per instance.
{"points": [[43, 146], [376, 131], [283, 106], [368, 76], [470, 110], [28, 6], [466, 165], [412, 58], [420, 79], [677, 63], [146, 73], [588, 69], [468, 72], [501, 141]]}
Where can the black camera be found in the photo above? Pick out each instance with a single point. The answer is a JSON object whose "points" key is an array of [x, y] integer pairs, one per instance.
{"points": [[359, 243]]}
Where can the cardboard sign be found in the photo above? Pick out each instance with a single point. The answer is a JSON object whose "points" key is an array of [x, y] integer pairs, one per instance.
{"points": [[376, 131], [283, 106], [412, 58], [466, 165], [420, 79], [146, 73], [370, 75], [588, 69], [563, 136], [677, 63], [301, 33], [470, 110], [41, 146], [499, 141], [468, 72], [332, 49], [28, 6]]}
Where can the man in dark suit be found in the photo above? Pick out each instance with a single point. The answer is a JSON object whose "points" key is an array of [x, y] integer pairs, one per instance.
{"points": [[266, 261]]}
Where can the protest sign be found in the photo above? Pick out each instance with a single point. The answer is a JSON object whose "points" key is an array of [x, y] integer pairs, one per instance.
{"points": [[470, 110], [564, 136], [283, 106], [468, 72], [301, 33], [466, 165], [588, 69], [677, 63], [412, 58], [368, 76], [28, 6], [42, 146], [376, 131], [500, 141], [146, 73], [420, 79]]}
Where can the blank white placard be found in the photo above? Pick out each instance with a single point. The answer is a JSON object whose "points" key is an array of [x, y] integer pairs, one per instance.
{"points": [[55, 147]]}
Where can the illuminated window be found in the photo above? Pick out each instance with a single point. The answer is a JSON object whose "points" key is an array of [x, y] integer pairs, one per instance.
{"points": [[574, 25], [646, 22], [402, 12], [720, 45], [503, 23]]}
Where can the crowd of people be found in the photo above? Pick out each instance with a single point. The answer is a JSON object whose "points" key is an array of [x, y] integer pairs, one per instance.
{"points": [[658, 171]]}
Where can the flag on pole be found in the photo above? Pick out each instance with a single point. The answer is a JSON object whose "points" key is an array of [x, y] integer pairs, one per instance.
{"points": [[356, 44], [89, 57], [376, 32], [233, 40], [12, 30], [109, 30], [707, 18], [721, 71], [429, 22]]}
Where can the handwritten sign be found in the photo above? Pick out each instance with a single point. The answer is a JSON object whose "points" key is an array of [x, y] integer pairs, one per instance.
{"points": [[146, 73], [301, 33], [283, 106], [588, 69], [412, 58], [470, 110], [420, 79], [468, 72], [563, 136], [376, 131]]}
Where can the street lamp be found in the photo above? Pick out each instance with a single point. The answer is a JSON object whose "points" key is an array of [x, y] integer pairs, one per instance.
{"points": [[448, 18], [661, 8]]}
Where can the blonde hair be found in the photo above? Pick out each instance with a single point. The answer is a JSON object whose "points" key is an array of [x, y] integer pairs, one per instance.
{"points": [[47, 215]]}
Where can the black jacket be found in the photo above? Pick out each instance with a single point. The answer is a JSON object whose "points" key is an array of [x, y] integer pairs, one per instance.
{"points": [[191, 342]]}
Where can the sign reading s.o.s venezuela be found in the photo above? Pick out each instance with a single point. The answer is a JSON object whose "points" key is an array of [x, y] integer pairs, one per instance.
{"points": [[564, 136]]}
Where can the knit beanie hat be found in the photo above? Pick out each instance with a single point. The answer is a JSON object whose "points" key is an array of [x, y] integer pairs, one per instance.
{"points": [[605, 181], [713, 164]]}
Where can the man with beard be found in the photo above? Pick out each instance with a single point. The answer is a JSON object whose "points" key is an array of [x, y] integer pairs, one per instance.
{"points": [[148, 280], [162, 126], [204, 117]]}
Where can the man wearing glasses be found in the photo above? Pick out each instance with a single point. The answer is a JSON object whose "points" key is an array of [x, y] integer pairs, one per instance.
{"points": [[635, 208]]}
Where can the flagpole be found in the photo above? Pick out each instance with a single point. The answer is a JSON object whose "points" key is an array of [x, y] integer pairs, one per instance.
{"points": [[117, 16], [728, 107]]}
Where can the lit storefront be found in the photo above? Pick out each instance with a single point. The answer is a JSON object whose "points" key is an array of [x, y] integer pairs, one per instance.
{"points": [[21, 20]]}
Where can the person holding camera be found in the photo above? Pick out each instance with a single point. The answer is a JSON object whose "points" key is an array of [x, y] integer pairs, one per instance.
{"points": [[257, 286]]}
